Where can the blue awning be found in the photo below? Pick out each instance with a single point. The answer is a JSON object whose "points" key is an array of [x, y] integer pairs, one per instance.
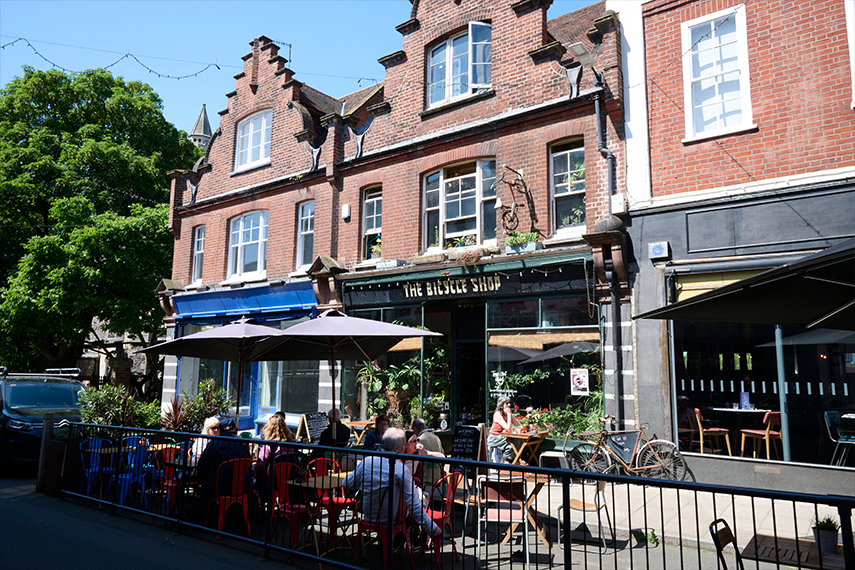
{"points": [[293, 299]]}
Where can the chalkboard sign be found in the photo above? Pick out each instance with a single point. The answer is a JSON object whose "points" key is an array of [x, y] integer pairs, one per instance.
{"points": [[623, 444], [466, 443], [312, 425]]}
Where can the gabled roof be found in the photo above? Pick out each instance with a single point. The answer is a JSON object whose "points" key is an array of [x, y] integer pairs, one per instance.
{"points": [[354, 100], [570, 28], [320, 101]]}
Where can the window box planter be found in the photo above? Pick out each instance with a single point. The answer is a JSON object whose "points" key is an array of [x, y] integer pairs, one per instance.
{"points": [[524, 247]]}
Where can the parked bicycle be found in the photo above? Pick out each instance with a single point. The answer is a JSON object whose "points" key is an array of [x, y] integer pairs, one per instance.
{"points": [[625, 451]]}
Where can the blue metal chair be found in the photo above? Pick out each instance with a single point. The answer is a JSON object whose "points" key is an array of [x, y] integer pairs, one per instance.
{"points": [[136, 469], [95, 463], [834, 423]]}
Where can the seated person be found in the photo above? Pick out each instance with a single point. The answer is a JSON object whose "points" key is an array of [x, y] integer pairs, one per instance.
{"points": [[373, 439], [210, 427], [217, 452], [372, 478], [342, 432], [431, 445], [503, 420]]}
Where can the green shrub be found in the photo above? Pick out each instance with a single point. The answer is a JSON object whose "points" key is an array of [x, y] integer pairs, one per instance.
{"points": [[208, 401], [113, 406], [519, 238]]}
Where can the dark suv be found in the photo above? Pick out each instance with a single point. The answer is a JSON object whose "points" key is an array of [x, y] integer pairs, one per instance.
{"points": [[24, 400]]}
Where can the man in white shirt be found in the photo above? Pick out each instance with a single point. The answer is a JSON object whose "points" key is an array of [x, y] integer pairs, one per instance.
{"points": [[372, 476]]}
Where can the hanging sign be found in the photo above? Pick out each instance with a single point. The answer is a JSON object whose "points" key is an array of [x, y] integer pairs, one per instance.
{"points": [[579, 382]]}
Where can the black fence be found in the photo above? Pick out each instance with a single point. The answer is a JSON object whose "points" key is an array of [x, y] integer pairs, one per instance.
{"points": [[333, 506]]}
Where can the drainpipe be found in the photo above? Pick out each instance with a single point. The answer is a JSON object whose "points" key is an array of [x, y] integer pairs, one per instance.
{"points": [[611, 275], [601, 144]]}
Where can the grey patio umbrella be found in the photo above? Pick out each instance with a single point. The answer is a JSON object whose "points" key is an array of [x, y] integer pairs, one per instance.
{"points": [[335, 336], [510, 353], [566, 349], [233, 342]]}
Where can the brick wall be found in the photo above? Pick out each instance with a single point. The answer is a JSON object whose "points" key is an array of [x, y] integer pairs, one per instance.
{"points": [[800, 96], [280, 187]]}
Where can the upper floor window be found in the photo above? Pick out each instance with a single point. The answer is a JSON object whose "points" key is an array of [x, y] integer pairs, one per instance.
{"points": [[198, 253], [715, 74], [306, 234], [253, 140], [460, 205], [567, 175], [461, 64], [372, 222], [248, 245]]}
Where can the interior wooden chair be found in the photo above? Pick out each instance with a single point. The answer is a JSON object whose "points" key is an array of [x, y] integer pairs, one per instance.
{"points": [[713, 433], [770, 420], [721, 536]]}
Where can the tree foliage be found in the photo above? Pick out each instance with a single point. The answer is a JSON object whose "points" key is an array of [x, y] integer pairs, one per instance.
{"points": [[83, 187]]}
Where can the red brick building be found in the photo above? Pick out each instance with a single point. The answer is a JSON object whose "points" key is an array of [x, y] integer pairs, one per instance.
{"points": [[406, 192], [742, 160]]}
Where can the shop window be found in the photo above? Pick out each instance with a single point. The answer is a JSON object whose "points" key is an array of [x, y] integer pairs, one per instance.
{"points": [[198, 254], [253, 141], [460, 205], [513, 314], [461, 65], [372, 218], [715, 74], [567, 167], [306, 234], [248, 245]]}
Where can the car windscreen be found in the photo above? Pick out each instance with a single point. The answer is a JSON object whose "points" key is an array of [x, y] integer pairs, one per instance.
{"points": [[41, 395]]}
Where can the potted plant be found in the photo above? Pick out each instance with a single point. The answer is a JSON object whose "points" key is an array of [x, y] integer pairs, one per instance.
{"points": [[522, 242], [375, 248], [825, 532]]}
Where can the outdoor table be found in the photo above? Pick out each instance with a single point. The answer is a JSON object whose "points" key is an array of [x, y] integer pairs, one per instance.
{"points": [[525, 440], [360, 428], [765, 548], [538, 482], [323, 482]]}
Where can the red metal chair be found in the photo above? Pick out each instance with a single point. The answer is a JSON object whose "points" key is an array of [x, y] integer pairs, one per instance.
{"points": [[170, 483], [282, 506], [400, 526], [239, 490], [714, 433], [328, 500], [442, 517]]}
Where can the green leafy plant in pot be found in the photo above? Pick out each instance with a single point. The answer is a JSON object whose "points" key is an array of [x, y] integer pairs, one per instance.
{"points": [[825, 531]]}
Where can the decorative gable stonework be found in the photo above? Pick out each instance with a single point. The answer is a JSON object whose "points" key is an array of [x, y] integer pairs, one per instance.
{"points": [[329, 150]]}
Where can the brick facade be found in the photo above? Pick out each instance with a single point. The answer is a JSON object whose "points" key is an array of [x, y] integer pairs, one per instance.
{"points": [[385, 135]]}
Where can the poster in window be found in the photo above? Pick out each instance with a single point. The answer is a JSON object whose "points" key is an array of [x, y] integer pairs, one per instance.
{"points": [[579, 382]]}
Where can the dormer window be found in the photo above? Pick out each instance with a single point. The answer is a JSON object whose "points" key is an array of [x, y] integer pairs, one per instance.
{"points": [[253, 141], [460, 65]]}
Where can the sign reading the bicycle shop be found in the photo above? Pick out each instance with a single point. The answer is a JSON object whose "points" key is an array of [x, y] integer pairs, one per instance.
{"points": [[450, 287]]}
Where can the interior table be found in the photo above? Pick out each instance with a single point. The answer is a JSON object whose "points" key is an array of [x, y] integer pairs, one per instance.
{"points": [[778, 550], [525, 441]]}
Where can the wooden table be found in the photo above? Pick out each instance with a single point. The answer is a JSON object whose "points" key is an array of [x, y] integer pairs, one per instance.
{"points": [[324, 482], [360, 427], [538, 482], [523, 441], [783, 551]]}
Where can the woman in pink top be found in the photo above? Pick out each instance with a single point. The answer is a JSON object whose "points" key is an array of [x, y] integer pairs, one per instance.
{"points": [[503, 420]]}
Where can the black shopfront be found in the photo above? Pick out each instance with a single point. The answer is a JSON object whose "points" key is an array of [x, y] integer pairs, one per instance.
{"points": [[489, 314]]}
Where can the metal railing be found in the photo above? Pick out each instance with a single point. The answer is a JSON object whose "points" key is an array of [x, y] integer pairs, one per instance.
{"points": [[558, 517]]}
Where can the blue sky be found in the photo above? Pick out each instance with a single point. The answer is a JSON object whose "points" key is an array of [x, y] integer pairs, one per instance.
{"points": [[334, 43]]}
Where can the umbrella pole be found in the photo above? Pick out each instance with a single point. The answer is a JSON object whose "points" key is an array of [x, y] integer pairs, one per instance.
{"points": [[239, 387]]}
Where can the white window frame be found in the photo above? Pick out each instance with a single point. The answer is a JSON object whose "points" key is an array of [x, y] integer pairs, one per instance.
{"points": [[198, 254], [246, 232], [258, 125], [372, 215], [468, 86], [691, 54], [481, 198], [305, 230], [558, 192]]}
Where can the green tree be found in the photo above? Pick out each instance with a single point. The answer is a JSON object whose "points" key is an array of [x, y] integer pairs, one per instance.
{"points": [[83, 187]]}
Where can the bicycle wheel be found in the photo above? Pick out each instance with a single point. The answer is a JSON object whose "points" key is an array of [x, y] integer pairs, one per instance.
{"points": [[661, 459], [589, 458]]}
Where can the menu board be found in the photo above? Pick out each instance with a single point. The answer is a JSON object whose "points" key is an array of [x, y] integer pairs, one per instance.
{"points": [[312, 425], [466, 443], [623, 444]]}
